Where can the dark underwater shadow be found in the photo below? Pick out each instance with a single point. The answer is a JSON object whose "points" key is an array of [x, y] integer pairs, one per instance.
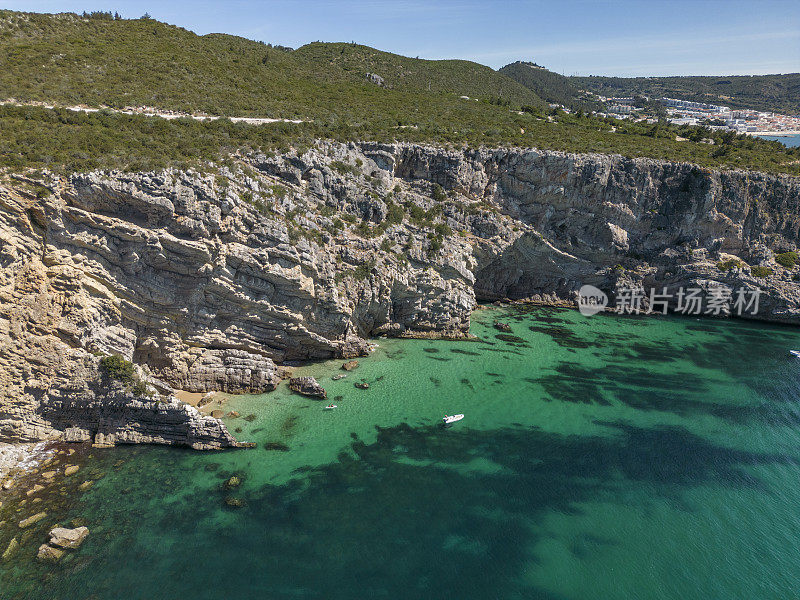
{"points": [[408, 516]]}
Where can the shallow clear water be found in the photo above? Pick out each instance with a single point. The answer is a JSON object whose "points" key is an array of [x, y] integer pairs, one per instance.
{"points": [[792, 141], [602, 457]]}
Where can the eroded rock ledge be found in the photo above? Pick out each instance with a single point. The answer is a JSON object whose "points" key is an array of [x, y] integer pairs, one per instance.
{"points": [[212, 281]]}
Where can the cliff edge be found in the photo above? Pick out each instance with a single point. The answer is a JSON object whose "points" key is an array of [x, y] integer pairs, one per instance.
{"points": [[213, 280]]}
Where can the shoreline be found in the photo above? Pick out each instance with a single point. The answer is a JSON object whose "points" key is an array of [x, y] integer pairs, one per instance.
{"points": [[18, 459], [773, 133]]}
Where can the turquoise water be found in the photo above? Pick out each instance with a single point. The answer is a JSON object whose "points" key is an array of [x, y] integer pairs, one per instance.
{"points": [[602, 457], [792, 141]]}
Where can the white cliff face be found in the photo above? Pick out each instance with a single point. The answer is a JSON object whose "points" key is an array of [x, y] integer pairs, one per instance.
{"points": [[212, 282], [611, 221]]}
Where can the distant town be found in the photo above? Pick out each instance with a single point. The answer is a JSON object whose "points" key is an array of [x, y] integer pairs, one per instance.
{"points": [[684, 112]]}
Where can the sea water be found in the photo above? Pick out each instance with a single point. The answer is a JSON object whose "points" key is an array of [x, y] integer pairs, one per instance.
{"points": [[600, 457], [791, 141]]}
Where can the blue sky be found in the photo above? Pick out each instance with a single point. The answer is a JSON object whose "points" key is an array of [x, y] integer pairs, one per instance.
{"points": [[625, 38]]}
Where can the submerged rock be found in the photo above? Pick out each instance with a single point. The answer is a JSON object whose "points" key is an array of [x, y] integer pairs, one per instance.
{"points": [[32, 519], [48, 553], [68, 538], [10, 549], [362, 386], [504, 327], [71, 469], [233, 482], [307, 386], [234, 502], [350, 365], [35, 489]]}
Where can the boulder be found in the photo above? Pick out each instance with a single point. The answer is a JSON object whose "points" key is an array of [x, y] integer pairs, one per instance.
{"points": [[233, 482], [68, 538], [307, 386], [504, 327], [350, 365], [32, 519], [36, 488], [49, 553], [362, 386], [375, 78], [12, 547], [71, 469]]}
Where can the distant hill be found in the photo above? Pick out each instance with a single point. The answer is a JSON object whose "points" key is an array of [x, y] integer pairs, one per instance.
{"points": [[340, 91], [459, 77], [779, 93], [551, 87], [71, 59]]}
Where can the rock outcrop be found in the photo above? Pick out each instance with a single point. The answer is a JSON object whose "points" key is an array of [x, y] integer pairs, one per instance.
{"points": [[307, 386], [68, 538], [48, 553], [213, 281]]}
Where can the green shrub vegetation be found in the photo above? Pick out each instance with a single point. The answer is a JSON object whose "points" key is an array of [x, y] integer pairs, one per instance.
{"points": [[69, 59], [731, 263], [117, 368], [344, 169], [394, 214], [551, 87], [278, 191], [437, 193], [364, 270], [787, 260], [760, 271]]}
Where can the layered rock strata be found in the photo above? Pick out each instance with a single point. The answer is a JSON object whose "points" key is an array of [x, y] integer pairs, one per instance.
{"points": [[214, 280]]}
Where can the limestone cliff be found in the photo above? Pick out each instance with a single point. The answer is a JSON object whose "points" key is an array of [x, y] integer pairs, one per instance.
{"points": [[212, 281]]}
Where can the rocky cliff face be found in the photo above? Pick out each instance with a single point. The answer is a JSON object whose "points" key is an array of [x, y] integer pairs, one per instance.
{"points": [[214, 281]]}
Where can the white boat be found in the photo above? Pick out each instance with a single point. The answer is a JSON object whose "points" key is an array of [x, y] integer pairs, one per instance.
{"points": [[330, 407], [447, 419], [795, 353]]}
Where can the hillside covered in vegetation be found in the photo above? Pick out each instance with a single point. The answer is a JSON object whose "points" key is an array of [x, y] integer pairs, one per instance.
{"points": [[551, 87], [98, 61], [778, 93], [70, 59]]}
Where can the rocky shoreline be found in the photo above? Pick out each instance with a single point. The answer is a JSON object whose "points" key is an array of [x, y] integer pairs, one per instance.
{"points": [[40, 484], [19, 458], [217, 280]]}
